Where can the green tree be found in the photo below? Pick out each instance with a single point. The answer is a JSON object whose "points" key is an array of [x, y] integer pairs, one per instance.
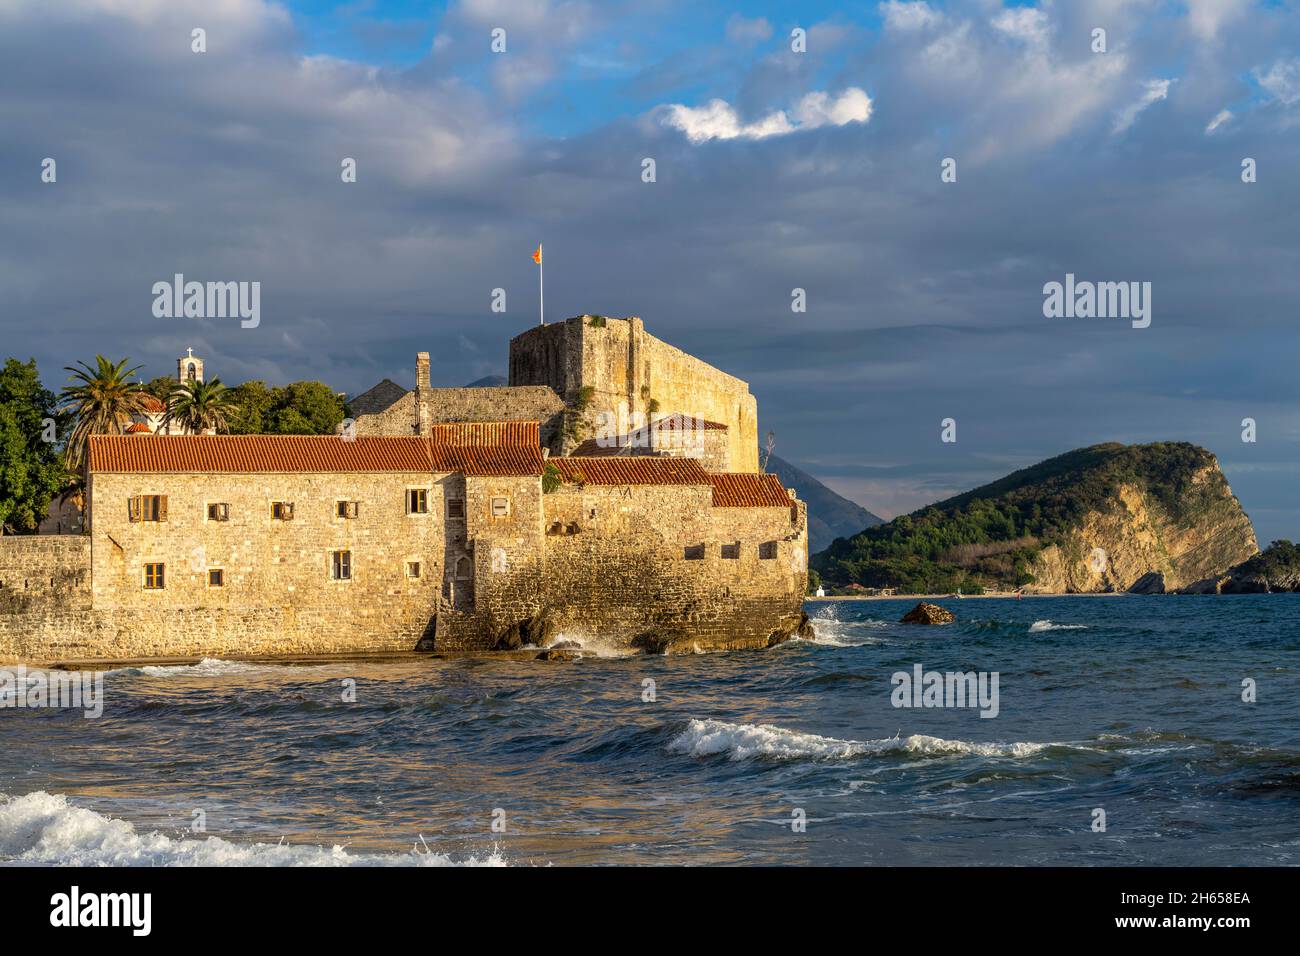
{"points": [[253, 401], [31, 468], [304, 408], [102, 400], [199, 406]]}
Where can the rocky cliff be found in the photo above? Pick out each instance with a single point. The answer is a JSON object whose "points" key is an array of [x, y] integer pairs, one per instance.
{"points": [[1148, 518], [1275, 569]]}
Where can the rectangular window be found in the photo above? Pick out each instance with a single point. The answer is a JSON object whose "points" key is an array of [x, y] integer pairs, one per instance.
{"points": [[731, 551], [216, 578], [346, 509], [767, 551], [342, 566], [154, 577], [417, 501], [412, 569], [219, 512], [282, 510], [147, 508], [456, 508], [694, 552], [500, 507]]}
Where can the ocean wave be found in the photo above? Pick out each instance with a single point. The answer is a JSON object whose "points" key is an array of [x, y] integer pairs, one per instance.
{"points": [[45, 829], [706, 738], [830, 631], [209, 667], [1039, 626]]}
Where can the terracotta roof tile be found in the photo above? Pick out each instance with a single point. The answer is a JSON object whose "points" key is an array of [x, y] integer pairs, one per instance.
{"points": [[138, 428], [304, 453], [679, 421], [632, 471], [151, 403], [480, 434], [749, 491]]}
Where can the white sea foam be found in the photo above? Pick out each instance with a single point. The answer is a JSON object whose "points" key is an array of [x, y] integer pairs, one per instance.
{"points": [[830, 631], [705, 738], [45, 829], [211, 667], [1038, 626]]}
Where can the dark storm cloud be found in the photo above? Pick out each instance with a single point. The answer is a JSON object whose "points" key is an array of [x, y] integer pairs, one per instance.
{"points": [[925, 299]]}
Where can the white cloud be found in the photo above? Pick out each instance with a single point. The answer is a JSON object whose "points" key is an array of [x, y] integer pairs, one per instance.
{"points": [[719, 120], [1024, 23], [1220, 118], [901, 15], [1205, 17], [741, 30], [1282, 81], [1153, 91]]}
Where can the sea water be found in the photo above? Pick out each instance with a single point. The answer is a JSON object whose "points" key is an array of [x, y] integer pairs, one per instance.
{"points": [[1139, 707]]}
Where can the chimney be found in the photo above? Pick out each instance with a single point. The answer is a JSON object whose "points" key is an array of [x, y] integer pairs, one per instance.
{"points": [[421, 370]]}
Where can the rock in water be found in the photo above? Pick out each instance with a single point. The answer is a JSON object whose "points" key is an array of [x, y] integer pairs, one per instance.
{"points": [[928, 614]]}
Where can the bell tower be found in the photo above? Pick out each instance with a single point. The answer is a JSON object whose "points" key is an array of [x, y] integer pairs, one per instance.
{"points": [[189, 368]]}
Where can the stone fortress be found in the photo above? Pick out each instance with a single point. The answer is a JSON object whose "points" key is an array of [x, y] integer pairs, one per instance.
{"points": [[608, 496]]}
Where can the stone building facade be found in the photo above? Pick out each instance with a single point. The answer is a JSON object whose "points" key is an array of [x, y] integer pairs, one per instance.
{"points": [[446, 520]]}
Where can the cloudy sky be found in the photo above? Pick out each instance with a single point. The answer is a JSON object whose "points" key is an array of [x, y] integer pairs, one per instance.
{"points": [[774, 170]]}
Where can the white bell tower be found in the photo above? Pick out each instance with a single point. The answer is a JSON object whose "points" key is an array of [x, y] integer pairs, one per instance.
{"points": [[189, 368]]}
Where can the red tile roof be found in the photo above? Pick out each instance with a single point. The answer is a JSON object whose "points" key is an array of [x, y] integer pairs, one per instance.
{"points": [[687, 422], [151, 404], [632, 471], [749, 491], [138, 428], [479, 434], [304, 453]]}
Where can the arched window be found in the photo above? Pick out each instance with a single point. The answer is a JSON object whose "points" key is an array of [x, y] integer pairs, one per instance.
{"points": [[464, 568], [191, 372]]}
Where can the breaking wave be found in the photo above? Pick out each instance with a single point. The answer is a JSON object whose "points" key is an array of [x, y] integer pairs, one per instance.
{"points": [[1038, 626], [208, 667], [45, 829], [830, 631], [707, 738]]}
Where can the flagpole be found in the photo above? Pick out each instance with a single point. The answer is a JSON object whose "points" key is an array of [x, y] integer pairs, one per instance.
{"points": [[541, 287]]}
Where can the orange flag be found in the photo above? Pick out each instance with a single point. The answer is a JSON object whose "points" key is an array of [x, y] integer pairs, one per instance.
{"points": [[537, 256]]}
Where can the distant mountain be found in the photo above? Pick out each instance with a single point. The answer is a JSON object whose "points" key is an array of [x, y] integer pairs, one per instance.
{"points": [[1110, 517], [830, 516], [488, 381]]}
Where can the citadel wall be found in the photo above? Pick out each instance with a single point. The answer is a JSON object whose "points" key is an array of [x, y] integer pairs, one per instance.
{"points": [[626, 366]]}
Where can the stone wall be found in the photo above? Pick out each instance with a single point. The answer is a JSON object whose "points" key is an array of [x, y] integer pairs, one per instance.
{"points": [[643, 565], [627, 367], [39, 571], [638, 565], [491, 404]]}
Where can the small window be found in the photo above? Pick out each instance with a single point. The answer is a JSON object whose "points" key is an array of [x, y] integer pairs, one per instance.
{"points": [[694, 552], [282, 510], [456, 508], [147, 508], [216, 578], [417, 501], [412, 569], [154, 577], [219, 511], [346, 509], [500, 507], [767, 551], [342, 566], [731, 551]]}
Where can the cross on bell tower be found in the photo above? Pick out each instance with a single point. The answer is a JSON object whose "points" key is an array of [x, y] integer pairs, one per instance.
{"points": [[189, 368]]}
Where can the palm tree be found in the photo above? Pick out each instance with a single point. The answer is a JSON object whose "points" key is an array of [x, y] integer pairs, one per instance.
{"points": [[200, 406], [104, 400]]}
